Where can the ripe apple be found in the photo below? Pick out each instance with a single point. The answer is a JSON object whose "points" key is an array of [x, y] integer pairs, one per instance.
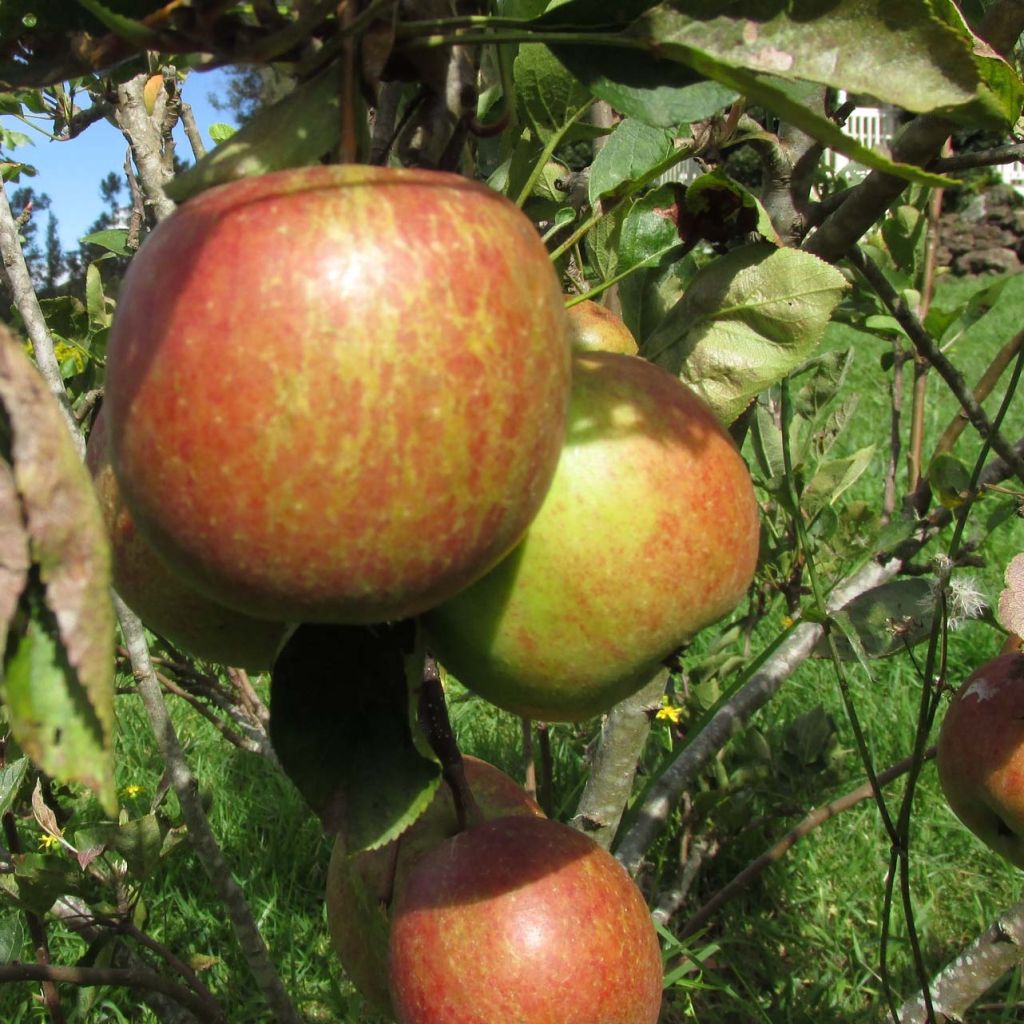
{"points": [[361, 888], [165, 603], [649, 533], [523, 921], [338, 393], [981, 755], [594, 328]]}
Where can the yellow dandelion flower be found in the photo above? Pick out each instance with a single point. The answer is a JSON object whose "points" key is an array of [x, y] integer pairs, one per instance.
{"points": [[131, 790], [47, 841], [669, 712]]}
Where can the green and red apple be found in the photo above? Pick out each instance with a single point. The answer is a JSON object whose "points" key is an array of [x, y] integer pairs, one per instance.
{"points": [[649, 532], [361, 888], [338, 393], [981, 755], [164, 602], [523, 921], [595, 328]]}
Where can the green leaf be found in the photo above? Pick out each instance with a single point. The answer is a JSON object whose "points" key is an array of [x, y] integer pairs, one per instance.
{"points": [[42, 877], [13, 935], [649, 230], [950, 480], [549, 96], [140, 842], [127, 28], [745, 322], [849, 44], [632, 149], [832, 478], [12, 777], [220, 132], [885, 620], [60, 680], [904, 232], [809, 738], [340, 724], [660, 94], [112, 239], [295, 131], [95, 299]]}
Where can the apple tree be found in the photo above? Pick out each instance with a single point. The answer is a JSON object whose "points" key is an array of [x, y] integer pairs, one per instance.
{"points": [[502, 357]]}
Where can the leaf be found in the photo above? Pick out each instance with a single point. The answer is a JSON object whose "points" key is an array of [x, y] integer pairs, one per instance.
{"points": [[42, 877], [1011, 601], [746, 321], [649, 230], [13, 935], [722, 209], [549, 96], [832, 478], [140, 842], [43, 813], [808, 738], [295, 131], [127, 28], [950, 480], [220, 132], [846, 45], [12, 777], [112, 239], [631, 149], [95, 300], [60, 680], [885, 620], [904, 233], [340, 724]]}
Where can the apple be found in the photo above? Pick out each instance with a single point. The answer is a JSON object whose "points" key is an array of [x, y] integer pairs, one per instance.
{"points": [[523, 921], [360, 888], [981, 755], [649, 533], [166, 604], [338, 394], [594, 328]]}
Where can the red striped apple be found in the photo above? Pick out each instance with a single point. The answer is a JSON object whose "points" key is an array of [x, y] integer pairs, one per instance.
{"points": [[523, 921], [981, 755], [338, 393], [649, 533]]}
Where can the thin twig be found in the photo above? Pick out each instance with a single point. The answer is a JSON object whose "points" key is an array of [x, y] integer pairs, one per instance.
{"points": [[192, 133], [981, 158]]}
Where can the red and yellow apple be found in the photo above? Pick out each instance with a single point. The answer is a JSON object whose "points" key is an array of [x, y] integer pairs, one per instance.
{"points": [[164, 602], [981, 755], [595, 328], [649, 533], [361, 888], [338, 393], [523, 921]]}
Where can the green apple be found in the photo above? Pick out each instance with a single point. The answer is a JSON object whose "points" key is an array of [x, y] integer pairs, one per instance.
{"points": [[167, 604], [981, 755], [649, 533], [338, 394], [523, 921], [362, 888]]}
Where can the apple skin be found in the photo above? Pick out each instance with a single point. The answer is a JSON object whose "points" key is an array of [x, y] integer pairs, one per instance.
{"points": [[166, 604], [649, 533], [360, 889], [980, 755], [594, 328], [338, 394], [523, 921]]}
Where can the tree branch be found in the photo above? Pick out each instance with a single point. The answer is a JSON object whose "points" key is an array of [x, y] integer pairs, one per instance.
{"points": [[980, 158], [143, 133], [610, 782], [199, 832]]}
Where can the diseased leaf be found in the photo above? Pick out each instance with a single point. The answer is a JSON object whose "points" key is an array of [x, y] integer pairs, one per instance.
{"points": [[885, 620], [549, 96], [1011, 601], [745, 321], [296, 130], [340, 724], [60, 694]]}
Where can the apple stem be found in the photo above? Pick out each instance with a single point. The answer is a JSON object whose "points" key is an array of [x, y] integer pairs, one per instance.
{"points": [[433, 712]]}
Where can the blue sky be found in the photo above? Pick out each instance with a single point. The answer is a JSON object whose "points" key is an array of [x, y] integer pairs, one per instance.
{"points": [[70, 172]]}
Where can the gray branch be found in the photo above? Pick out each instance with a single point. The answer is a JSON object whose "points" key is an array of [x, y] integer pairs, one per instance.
{"points": [[144, 134], [19, 281], [610, 782], [199, 832], [971, 974]]}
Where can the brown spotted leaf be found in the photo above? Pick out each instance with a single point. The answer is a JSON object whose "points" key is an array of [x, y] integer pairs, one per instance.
{"points": [[58, 681], [1011, 600]]}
